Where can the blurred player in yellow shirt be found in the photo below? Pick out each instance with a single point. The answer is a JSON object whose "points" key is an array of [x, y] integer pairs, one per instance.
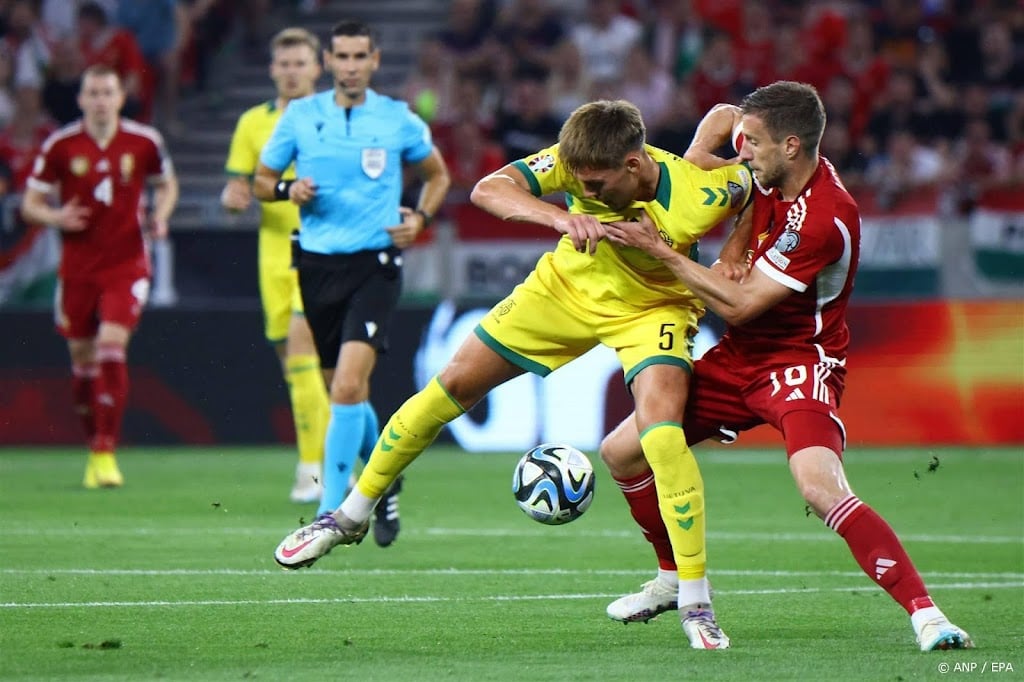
{"points": [[294, 68]]}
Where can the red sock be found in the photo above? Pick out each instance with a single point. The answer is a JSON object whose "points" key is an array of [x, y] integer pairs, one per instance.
{"points": [[879, 552], [111, 396], [83, 384], [642, 498]]}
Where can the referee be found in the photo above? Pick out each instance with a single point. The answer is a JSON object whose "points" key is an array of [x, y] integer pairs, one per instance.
{"points": [[349, 145]]}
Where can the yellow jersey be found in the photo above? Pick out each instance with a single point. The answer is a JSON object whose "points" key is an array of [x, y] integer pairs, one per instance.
{"points": [[689, 201], [253, 130]]}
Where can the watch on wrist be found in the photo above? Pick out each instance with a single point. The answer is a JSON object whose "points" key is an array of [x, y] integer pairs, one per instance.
{"points": [[427, 218]]}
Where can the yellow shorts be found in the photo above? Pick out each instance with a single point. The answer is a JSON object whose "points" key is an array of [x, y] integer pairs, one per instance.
{"points": [[544, 324], [279, 285]]}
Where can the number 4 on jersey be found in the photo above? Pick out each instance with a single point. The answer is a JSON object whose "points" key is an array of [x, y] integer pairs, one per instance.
{"points": [[104, 191]]}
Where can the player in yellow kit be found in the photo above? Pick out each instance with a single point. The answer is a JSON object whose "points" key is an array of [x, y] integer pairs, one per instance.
{"points": [[588, 291], [294, 69]]}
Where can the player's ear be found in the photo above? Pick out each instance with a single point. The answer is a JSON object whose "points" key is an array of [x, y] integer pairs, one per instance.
{"points": [[792, 147]]}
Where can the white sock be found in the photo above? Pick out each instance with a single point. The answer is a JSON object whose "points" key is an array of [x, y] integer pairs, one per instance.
{"points": [[921, 616], [694, 592], [668, 578], [358, 506]]}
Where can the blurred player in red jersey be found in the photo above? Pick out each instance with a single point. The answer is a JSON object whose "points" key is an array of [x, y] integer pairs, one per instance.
{"points": [[782, 360], [97, 169]]}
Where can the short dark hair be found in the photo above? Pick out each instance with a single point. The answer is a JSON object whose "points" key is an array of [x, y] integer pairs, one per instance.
{"points": [[789, 108], [351, 29]]}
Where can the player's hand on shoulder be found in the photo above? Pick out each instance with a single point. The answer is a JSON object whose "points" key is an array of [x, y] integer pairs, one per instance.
{"points": [[73, 216], [641, 234], [302, 191], [585, 231]]}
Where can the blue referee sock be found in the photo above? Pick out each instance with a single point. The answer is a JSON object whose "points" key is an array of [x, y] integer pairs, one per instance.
{"points": [[371, 433], [345, 437]]}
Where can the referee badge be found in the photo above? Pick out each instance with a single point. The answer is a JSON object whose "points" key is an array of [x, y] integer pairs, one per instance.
{"points": [[374, 161]]}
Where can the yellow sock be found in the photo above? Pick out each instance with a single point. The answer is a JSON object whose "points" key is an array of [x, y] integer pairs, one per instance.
{"points": [[408, 433], [680, 495], [310, 408]]}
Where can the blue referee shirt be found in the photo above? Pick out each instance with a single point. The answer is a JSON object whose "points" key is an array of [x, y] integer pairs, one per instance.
{"points": [[354, 157]]}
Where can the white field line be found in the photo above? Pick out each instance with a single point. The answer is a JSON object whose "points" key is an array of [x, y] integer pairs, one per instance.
{"points": [[413, 572], [441, 599], [822, 535]]}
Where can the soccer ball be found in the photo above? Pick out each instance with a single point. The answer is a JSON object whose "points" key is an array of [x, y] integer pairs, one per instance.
{"points": [[553, 483]]}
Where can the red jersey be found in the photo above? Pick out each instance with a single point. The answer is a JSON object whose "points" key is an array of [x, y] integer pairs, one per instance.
{"points": [[812, 246], [109, 182]]}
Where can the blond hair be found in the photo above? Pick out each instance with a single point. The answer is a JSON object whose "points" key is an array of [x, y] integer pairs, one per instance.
{"points": [[598, 135], [292, 36]]}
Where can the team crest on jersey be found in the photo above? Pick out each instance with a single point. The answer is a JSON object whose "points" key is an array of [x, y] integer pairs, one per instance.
{"points": [[127, 167], [374, 161], [787, 241], [738, 190], [79, 165], [541, 164]]}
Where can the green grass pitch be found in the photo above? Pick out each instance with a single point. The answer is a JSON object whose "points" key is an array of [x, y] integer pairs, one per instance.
{"points": [[172, 577]]}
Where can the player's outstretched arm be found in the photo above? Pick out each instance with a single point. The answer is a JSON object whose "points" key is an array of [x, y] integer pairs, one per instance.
{"points": [[714, 130], [506, 194]]}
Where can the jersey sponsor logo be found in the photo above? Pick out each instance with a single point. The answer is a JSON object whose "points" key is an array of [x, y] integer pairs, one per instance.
{"points": [[79, 165], [780, 261], [787, 241], [127, 167], [374, 161], [542, 163]]}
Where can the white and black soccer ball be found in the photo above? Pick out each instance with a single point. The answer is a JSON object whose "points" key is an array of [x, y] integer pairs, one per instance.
{"points": [[553, 483]]}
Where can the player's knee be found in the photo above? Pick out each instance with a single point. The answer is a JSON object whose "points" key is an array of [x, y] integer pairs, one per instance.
{"points": [[348, 391], [621, 452], [818, 474]]}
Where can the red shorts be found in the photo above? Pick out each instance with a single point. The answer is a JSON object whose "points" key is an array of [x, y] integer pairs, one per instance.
{"points": [[729, 394], [82, 304]]}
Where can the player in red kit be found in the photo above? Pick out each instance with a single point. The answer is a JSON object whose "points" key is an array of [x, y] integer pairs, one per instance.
{"points": [[782, 360], [97, 168]]}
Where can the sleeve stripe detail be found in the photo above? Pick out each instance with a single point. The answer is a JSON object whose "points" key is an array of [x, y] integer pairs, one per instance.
{"points": [[530, 178], [783, 279]]}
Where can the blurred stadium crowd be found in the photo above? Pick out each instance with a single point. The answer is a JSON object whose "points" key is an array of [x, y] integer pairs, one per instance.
{"points": [[923, 96], [919, 93]]}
